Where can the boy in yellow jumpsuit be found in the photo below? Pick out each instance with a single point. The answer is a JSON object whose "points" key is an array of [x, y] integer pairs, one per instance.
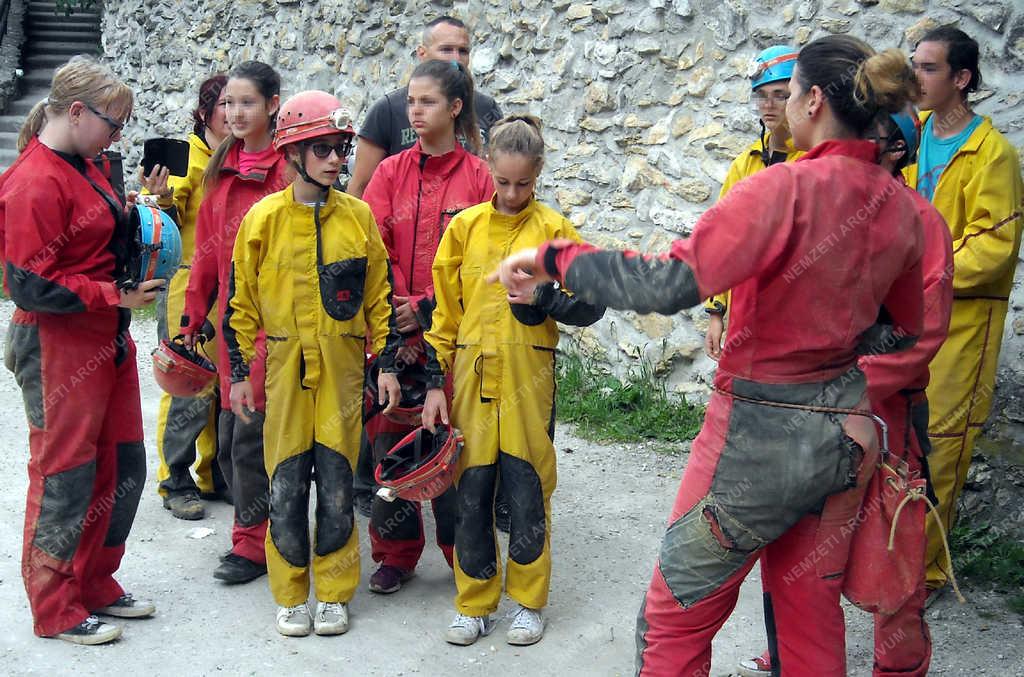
{"points": [[770, 90], [501, 353], [309, 267], [971, 173]]}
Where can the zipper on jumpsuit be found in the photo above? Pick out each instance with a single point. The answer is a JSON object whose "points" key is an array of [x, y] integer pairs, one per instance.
{"points": [[416, 220]]}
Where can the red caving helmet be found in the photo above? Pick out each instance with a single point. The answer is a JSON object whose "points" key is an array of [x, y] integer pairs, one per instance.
{"points": [[309, 115], [181, 372], [421, 466]]}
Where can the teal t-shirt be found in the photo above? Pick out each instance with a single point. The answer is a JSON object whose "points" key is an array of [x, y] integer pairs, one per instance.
{"points": [[936, 153]]}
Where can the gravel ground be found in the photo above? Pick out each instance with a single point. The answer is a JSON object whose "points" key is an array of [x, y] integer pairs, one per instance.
{"points": [[609, 512]]}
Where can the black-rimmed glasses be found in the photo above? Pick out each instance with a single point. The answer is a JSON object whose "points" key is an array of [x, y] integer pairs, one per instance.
{"points": [[115, 126]]}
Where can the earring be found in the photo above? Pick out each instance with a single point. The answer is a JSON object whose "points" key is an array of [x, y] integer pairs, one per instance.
{"points": [[810, 113]]}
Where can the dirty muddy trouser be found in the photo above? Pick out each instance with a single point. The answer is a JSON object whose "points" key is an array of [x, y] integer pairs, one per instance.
{"points": [[903, 644], [186, 427], [396, 527], [241, 461], [765, 482], [313, 431], [504, 406], [963, 376], [87, 465]]}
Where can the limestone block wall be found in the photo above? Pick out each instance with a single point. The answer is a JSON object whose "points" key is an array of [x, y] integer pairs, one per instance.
{"points": [[645, 101]]}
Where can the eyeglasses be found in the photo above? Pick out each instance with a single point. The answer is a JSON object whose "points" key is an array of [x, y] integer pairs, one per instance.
{"points": [[115, 126], [323, 150], [775, 98]]}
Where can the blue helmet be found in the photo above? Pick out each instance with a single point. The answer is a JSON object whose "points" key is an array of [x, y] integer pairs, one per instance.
{"points": [[773, 64], [909, 127], [159, 244]]}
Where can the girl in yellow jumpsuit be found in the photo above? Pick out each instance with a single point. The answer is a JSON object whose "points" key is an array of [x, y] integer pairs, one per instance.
{"points": [[310, 269], [501, 353], [186, 427]]}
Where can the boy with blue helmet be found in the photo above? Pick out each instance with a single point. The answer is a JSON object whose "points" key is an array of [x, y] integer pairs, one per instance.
{"points": [[770, 75]]}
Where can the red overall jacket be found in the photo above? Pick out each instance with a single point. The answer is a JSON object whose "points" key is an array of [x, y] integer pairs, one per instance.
{"points": [[811, 250], [413, 197], [55, 232], [217, 223]]}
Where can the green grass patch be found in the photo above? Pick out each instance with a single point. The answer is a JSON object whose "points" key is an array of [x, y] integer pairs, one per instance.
{"points": [[983, 554], [603, 408]]}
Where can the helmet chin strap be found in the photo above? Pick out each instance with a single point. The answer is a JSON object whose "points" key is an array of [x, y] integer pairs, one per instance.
{"points": [[300, 166], [766, 156]]}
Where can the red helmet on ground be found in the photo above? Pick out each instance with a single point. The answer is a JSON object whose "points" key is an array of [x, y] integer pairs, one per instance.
{"points": [[181, 372], [413, 380], [421, 466], [309, 115]]}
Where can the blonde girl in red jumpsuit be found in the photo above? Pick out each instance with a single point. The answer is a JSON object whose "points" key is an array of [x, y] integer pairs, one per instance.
{"points": [[765, 480], [63, 243], [244, 169]]}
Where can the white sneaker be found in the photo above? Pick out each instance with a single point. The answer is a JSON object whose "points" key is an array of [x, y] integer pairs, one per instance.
{"points": [[294, 621], [331, 618], [465, 630], [527, 626]]}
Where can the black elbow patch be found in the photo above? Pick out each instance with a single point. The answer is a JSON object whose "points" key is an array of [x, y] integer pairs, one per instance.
{"points": [[289, 508], [35, 293], [334, 516], [474, 527]]}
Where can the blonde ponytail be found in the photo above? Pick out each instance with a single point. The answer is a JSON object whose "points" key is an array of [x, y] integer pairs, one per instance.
{"points": [[885, 80], [32, 125], [520, 135], [83, 79]]}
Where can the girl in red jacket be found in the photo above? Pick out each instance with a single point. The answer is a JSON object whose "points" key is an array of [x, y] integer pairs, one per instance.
{"points": [[244, 169], [413, 196], [63, 238]]}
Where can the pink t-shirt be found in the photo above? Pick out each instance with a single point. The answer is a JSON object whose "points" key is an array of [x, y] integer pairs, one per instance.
{"points": [[247, 161]]}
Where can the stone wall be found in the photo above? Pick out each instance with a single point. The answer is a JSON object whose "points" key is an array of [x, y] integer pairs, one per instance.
{"points": [[10, 53], [645, 101]]}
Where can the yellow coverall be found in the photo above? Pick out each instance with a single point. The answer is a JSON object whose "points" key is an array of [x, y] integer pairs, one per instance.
{"points": [[503, 362], [315, 291], [746, 164], [192, 431], [979, 195]]}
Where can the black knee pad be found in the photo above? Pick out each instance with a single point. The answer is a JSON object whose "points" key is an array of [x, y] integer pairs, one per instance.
{"points": [[65, 502], [334, 517], [131, 478], [474, 526], [526, 509], [445, 508], [397, 520], [289, 508]]}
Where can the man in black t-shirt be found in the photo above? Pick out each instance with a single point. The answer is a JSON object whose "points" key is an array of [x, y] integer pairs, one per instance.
{"points": [[386, 129]]}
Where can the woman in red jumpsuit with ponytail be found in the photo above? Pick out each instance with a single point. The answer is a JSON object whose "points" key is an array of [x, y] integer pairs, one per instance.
{"points": [[823, 259], [64, 248]]}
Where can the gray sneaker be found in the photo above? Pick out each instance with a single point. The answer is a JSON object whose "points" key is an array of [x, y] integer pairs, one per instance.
{"points": [[331, 618], [527, 626], [127, 606], [464, 630], [294, 621], [91, 631]]}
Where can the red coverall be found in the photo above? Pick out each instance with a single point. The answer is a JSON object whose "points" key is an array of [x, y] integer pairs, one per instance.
{"points": [[413, 197], [809, 277], [240, 444], [69, 348]]}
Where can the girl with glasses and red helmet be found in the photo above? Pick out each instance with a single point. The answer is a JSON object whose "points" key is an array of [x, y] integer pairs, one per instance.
{"points": [[310, 272]]}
